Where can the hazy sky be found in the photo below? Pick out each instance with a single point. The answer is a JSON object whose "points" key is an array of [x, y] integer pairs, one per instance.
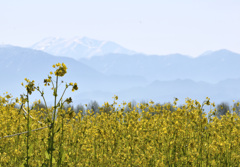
{"points": [[150, 26]]}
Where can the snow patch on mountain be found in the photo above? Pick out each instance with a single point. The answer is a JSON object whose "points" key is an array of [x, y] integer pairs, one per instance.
{"points": [[78, 48]]}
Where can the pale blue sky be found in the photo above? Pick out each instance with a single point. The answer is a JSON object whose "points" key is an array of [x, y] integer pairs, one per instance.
{"points": [[150, 26]]}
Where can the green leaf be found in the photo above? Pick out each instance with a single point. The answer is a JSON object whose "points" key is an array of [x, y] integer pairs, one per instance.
{"points": [[30, 149], [22, 165], [57, 130], [26, 165], [53, 160], [44, 165], [63, 156], [46, 155]]}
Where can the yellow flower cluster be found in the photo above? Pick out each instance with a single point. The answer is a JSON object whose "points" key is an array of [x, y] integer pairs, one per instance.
{"points": [[74, 86], [145, 135], [30, 86], [61, 69]]}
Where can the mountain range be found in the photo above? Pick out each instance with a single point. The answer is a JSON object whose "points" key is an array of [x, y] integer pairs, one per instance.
{"points": [[112, 59], [128, 74], [214, 67]]}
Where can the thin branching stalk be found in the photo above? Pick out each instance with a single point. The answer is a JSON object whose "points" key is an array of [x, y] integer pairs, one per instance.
{"points": [[28, 129], [53, 122], [61, 139], [62, 96], [42, 94]]}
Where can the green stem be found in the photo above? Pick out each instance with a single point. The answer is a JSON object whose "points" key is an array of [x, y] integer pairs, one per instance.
{"points": [[28, 127], [43, 99], [53, 123], [61, 142], [62, 96], [19, 119]]}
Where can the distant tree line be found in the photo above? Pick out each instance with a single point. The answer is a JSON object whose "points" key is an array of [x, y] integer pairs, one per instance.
{"points": [[93, 106]]}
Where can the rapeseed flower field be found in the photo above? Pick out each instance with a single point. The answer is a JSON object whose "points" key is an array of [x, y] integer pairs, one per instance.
{"points": [[143, 135]]}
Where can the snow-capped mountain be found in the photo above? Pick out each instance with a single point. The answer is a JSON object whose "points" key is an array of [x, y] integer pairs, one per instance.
{"points": [[78, 48]]}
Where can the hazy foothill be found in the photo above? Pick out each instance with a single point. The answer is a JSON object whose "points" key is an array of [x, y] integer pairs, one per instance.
{"points": [[103, 69]]}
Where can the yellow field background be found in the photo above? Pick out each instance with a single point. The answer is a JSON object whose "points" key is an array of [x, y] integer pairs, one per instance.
{"points": [[156, 136]]}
